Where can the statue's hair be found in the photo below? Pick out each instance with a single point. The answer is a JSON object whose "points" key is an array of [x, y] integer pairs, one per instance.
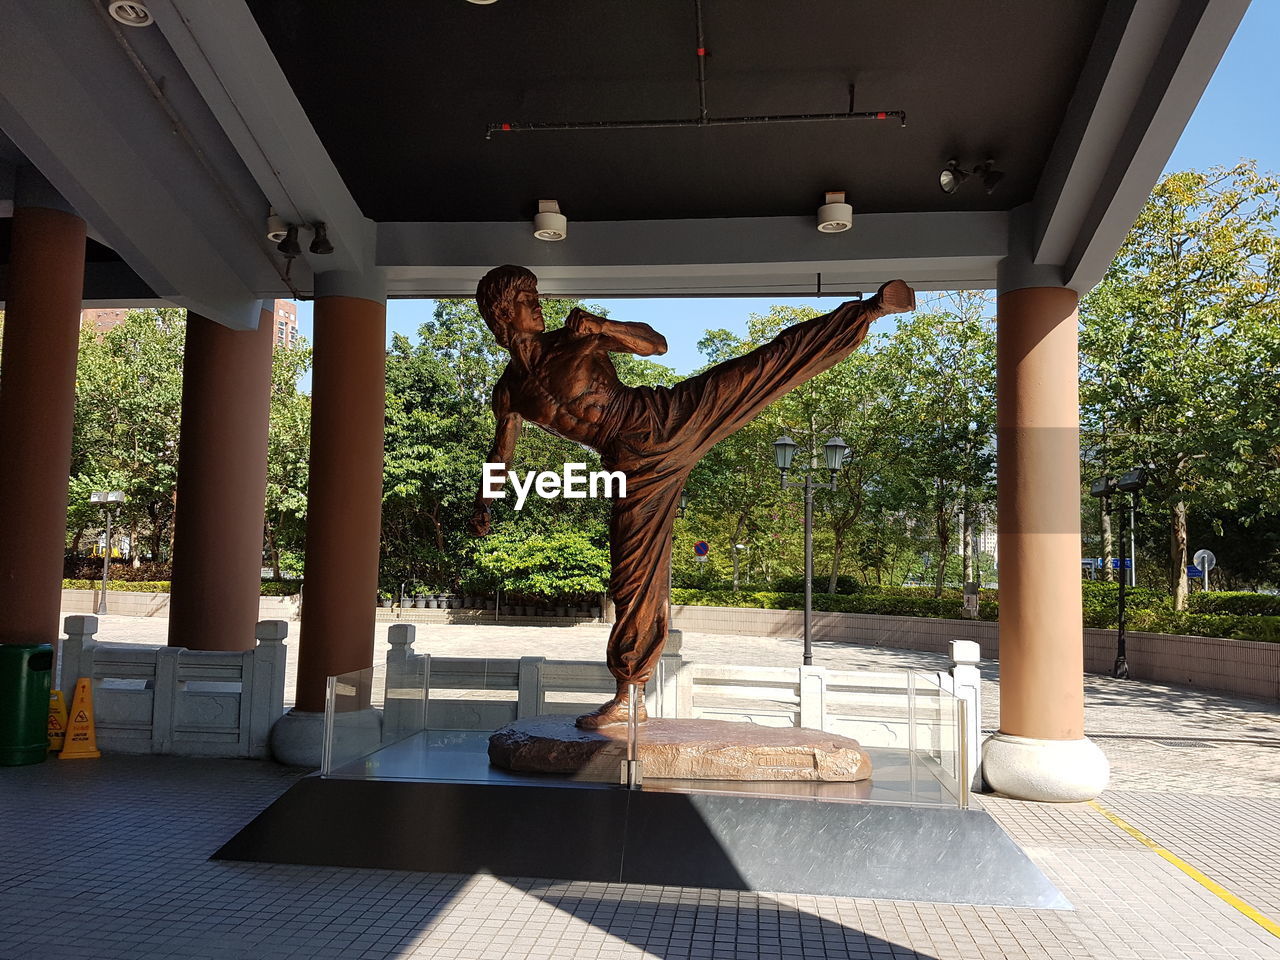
{"points": [[497, 288]]}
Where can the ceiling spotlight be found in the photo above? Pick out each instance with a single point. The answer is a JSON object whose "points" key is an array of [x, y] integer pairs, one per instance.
{"points": [[276, 227], [952, 176], [834, 216], [289, 245], [320, 242], [549, 223], [482, 3], [990, 175], [132, 13]]}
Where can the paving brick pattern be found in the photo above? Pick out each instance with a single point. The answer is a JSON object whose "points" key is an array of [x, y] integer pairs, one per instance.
{"points": [[108, 858]]}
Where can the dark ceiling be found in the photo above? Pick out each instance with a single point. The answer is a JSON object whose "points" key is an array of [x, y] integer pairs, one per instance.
{"points": [[401, 92]]}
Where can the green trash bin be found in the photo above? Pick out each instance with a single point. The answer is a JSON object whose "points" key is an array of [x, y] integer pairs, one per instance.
{"points": [[25, 673]]}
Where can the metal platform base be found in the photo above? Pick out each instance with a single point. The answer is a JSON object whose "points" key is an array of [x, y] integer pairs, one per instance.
{"points": [[609, 834]]}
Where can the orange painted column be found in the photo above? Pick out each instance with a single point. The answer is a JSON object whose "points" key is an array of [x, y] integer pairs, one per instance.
{"points": [[222, 478], [37, 408], [344, 501], [1038, 514], [1040, 752]]}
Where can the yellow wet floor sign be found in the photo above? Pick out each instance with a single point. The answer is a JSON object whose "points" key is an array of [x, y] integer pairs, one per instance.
{"points": [[81, 740], [57, 719]]}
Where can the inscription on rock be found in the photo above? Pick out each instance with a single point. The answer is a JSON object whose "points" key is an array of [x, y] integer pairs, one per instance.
{"points": [[681, 750]]}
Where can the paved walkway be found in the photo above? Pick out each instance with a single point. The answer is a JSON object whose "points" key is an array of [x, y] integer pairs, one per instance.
{"points": [[1180, 858]]}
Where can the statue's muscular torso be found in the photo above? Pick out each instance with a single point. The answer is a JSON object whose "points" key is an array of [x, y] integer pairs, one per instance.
{"points": [[568, 388]]}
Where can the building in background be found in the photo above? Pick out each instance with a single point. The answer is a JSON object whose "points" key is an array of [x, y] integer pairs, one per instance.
{"points": [[286, 321], [285, 317], [101, 321]]}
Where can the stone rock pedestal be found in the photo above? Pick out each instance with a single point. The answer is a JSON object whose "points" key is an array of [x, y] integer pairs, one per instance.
{"points": [[671, 749]]}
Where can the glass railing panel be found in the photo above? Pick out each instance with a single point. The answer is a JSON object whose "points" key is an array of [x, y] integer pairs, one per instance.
{"points": [[352, 725], [767, 731]]}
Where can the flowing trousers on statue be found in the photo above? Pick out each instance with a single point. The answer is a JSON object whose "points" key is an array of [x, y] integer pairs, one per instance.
{"points": [[658, 434]]}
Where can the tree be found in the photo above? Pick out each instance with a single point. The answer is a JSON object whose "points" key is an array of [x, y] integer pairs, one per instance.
{"points": [[944, 359], [1178, 351], [288, 451], [128, 411]]}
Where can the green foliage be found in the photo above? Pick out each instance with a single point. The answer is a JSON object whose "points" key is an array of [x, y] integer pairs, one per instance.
{"points": [[917, 603], [560, 564], [270, 588], [1242, 604], [128, 409], [1180, 353], [1179, 623], [916, 409], [280, 588], [123, 586], [288, 452]]}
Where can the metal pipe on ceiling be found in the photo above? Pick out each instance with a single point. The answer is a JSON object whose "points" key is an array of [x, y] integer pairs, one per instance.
{"points": [[702, 120]]}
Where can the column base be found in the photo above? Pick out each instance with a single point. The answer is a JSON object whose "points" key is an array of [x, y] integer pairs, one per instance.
{"points": [[1052, 771], [297, 738]]}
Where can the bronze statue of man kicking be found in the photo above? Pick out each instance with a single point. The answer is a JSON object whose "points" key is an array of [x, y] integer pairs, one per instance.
{"points": [[565, 382]]}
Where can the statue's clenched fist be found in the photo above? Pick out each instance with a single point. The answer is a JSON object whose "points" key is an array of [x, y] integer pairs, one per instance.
{"points": [[896, 297]]}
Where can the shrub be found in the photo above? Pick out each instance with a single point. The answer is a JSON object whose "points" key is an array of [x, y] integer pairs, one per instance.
{"points": [[558, 564], [919, 603], [1231, 626], [844, 584], [280, 588], [90, 568], [123, 586], [270, 588], [1239, 603]]}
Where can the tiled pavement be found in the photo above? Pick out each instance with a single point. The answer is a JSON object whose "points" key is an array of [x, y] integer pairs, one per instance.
{"points": [[108, 858]]}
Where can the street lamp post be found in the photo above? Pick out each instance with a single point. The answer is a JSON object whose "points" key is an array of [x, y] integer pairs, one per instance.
{"points": [[680, 511], [109, 501], [784, 449], [1104, 488]]}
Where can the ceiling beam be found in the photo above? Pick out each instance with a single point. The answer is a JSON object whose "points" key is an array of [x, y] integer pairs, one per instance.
{"points": [[111, 284], [235, 70], [1149, 65], [78, 105], [749, 256]]}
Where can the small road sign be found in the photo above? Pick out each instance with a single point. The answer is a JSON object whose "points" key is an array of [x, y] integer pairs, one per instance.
{"points": [[1205, 560], [700, 550]]}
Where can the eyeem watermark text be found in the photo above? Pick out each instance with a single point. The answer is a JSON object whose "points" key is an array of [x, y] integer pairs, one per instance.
{"points": [[574, 484]]}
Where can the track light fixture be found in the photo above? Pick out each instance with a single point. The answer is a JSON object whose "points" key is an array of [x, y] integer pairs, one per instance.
{"points": [[989, 174], [834, 216], [289, 245], [320, 242], [549, 223], [953, 175]]}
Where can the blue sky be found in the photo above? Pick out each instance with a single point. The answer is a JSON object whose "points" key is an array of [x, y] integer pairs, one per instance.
{"points": [[1235, 118]]}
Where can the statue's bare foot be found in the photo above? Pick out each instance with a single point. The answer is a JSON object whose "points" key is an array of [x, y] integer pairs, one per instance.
{"points": [[613, 713]]}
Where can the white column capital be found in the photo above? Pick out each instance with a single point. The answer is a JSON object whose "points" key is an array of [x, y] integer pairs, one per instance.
{"points": [[1018, 270]]}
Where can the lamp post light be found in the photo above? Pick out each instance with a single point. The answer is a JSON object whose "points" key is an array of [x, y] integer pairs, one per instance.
{"points": [[109, 501], [784, 449]]}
